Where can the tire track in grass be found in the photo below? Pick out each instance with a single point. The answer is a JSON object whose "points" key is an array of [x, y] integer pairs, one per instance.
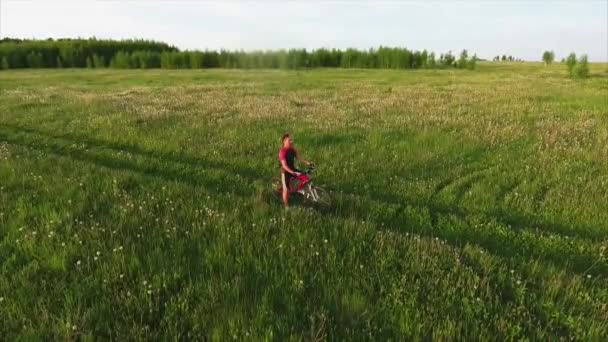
{"points": [[120, 147], [512, 216], [501, 237], [507, 289], [168, 173], [146, 163], [504, 191], [538, 190], [513, 282], [463, 175], [460, 184], [540, 197], [516, 248], [466, 183], [437, 210]]}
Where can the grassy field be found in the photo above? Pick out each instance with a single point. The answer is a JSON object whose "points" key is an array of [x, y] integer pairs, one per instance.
{"points": [[469, 204]]}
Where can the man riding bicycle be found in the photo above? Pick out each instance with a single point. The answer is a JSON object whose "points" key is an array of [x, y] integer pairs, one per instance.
{"points": [[287, 156]]}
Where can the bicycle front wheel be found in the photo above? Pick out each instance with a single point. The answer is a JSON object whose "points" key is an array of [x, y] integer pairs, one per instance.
{"points": [[322, 196]]}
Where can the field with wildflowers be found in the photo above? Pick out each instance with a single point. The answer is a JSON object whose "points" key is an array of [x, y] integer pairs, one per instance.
{"points": [[467, 204]]}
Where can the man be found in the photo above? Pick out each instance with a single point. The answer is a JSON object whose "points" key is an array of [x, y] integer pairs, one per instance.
{"points": [[287, 156]]}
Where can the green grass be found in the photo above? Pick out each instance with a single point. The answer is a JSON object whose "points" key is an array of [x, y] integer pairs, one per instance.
{"points": [[469, 205]]}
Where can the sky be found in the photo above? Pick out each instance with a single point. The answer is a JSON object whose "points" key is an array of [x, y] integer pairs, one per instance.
{"points": [[520, 28]]}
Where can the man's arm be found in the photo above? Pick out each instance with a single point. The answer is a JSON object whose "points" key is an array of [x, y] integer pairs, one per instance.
{"points": [[300, 158], [286, 167]]}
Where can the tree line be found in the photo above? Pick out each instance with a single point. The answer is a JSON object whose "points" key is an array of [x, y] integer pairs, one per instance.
{"points": [[577, 68], [505, 58], [130, 54], [67, 53]]}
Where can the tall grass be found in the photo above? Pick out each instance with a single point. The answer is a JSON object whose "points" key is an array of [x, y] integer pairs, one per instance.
{"points": [[135, 205]]}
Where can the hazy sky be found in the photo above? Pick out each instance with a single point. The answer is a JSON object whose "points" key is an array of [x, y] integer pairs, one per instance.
{"points": [[520, 28]]}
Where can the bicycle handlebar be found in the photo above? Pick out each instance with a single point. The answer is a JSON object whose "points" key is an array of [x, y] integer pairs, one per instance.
{"points": [[310, 169]]}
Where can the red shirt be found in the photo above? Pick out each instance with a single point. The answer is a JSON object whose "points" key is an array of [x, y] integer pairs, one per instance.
{"points": [[288, 154]]}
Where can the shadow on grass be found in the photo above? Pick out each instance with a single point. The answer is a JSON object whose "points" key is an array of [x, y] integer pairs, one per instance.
{"points": [[526, 238], [448, 222], [453, 224], [135, 150], [164, 166]]}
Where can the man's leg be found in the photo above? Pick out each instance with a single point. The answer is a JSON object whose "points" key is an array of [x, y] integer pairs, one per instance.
{"points": [[285, 190]]}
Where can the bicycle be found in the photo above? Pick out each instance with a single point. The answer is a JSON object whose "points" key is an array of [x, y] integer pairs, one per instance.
{"points": [[304, 188]]}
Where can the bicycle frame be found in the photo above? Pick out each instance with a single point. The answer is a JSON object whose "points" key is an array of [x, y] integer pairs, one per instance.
{"points": [[313, 193], [304, 187], [303, 179]]}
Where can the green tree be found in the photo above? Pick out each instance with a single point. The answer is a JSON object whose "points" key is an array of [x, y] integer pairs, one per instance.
{"points": [[67, 57], [196, 60], [463, 59], [122, 60], [34, 60], [571, 63], [149, 54], [165, 60], [146, 59], [447, 59], [424, 57], [99, 61], [175, 60], [4, 65], [472, 62], [431, 63], [548, 57], [581, 70]]}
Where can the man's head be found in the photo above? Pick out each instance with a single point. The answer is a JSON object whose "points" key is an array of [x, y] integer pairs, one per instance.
{"points": [[286, 140]]}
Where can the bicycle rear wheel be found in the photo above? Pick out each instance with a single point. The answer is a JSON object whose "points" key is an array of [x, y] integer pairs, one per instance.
{"points": [[276, 186]]}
